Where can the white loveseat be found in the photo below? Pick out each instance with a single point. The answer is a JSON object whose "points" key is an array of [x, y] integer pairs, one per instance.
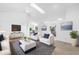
{"points": [[5, 47]]}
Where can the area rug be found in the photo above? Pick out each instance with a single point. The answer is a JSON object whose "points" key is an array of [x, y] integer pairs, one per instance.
{"points": [[41, 49]]}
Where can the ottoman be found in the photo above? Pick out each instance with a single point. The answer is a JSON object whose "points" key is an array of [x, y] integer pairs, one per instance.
{"points": [[27, 45]]}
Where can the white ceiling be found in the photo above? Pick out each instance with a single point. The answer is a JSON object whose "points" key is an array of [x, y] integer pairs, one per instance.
{"points": [[52, 10], [13, 7]]}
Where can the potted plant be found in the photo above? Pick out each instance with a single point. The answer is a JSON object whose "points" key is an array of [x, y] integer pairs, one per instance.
{"points": [[74, 36]]}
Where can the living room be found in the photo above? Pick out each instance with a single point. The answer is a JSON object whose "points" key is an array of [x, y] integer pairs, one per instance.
{"points": [[25, 24]]}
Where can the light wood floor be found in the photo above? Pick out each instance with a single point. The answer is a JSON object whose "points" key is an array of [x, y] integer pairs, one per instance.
{"points": [[65, 49]]}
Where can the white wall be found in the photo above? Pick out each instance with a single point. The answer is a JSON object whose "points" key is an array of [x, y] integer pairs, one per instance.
{"points": [[62, 35], [72, 14], [8, 18]]}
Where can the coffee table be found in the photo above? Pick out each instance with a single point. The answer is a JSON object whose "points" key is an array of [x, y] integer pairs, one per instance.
{"points": [[27, 45]]}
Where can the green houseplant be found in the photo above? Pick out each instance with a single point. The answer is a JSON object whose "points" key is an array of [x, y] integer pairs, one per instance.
{"points": [[74, 35]]}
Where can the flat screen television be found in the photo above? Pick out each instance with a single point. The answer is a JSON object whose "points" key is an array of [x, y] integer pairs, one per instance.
{"points": [[16, 27]]}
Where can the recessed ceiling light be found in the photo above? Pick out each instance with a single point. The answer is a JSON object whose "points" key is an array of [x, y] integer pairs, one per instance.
{"points": [[60, 19], [27, 11], [37, 8]]}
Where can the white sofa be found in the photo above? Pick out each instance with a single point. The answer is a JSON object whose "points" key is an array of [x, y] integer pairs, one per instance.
{"points": [[5, 47], [48, 41]]}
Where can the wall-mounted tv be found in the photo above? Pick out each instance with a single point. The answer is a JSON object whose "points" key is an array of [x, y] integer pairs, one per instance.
{"points": [[67, 26], [16, 27]]}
